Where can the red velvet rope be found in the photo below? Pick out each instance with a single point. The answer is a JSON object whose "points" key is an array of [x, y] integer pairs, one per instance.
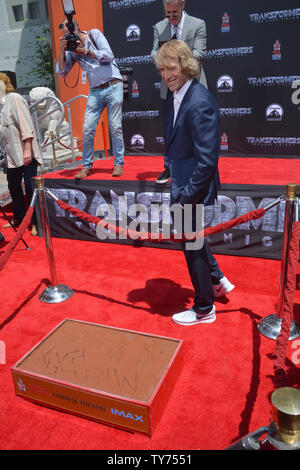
{"points": [[287, 313], [17, 237], [69, 148], [256, 214]]}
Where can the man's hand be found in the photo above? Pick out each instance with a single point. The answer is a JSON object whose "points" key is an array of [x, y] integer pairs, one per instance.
{"points": [[63, 44], [81, 50], [62, 49]]}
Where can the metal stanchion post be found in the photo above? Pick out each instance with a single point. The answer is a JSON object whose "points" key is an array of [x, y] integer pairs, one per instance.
{"points": [[53, 136], [284, 431], [271, 325], [54, 293]]}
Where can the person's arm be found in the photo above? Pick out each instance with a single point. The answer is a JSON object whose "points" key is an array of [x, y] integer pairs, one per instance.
{"points": [[65, 59], [103, 53], [155, 46], [62, 53], [199, 46]]}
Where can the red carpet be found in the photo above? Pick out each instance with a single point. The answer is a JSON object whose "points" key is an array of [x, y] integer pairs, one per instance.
{"points": [[224, 389], [278, 171]]}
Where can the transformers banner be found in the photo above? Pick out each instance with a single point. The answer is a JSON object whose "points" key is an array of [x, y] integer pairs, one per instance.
{"points": [[142, 206], [251, 67]]}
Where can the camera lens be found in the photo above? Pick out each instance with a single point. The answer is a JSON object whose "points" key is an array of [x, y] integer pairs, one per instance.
{"points": [[72, 45], [72, 42]]}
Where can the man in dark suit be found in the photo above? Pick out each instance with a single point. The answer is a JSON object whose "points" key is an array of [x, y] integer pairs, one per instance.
{"points": [[178, 25], [192, 146]]}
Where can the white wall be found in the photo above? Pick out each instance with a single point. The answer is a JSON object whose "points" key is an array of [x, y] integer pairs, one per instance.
{"points": [[17, 38]]}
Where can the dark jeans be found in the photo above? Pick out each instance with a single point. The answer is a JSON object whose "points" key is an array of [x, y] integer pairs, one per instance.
{"points": [[14, 179]]}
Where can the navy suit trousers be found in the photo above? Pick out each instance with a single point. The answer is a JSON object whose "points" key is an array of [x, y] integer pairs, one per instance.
{"points": [[204, 272]]}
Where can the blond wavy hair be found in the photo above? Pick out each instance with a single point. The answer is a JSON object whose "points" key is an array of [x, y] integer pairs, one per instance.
{"points": [[178, 50], [8, 85]]}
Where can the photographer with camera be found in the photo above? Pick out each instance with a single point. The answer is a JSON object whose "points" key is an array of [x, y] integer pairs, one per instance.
{"points": [[92, 52]]}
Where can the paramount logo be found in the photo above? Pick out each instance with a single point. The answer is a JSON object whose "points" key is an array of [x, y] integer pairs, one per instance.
{"points": [[274, 112], [123, 414]]}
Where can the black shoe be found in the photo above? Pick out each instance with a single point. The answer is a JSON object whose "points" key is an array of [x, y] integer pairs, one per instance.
{"points": [[2, 237], [164, 177]]}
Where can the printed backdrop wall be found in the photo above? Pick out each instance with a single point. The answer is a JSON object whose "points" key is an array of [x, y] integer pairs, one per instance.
{"points": [[251, 65]]}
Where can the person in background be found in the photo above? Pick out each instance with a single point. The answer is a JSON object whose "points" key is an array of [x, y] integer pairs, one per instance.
{"points": [[21, 150], [178, 25], [94, 55]]}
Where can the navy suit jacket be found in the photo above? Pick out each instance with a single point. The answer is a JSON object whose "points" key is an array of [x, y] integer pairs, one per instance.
{"points": [[192, 146]]}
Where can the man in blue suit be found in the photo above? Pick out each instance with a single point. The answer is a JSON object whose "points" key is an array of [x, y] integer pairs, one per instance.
{"points": [[192, 146]]}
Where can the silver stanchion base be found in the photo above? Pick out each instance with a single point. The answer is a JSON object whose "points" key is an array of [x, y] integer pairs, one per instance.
{"points": [[271, 327], [56, 294]]}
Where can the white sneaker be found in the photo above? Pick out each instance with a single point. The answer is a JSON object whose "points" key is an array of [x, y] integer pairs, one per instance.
{"points": [[224, 287], [190, 317]]}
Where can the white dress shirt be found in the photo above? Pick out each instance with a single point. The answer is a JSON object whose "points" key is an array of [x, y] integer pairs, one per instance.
{"points": [[178, 96]]}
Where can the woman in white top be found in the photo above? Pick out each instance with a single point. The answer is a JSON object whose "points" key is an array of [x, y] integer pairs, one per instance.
{"points": [[21, 151]]}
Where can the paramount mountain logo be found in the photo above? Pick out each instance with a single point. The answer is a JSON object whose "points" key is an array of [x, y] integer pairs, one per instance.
{"points": [[137, 142], [225, 84], [133, 33], [274, 112]]}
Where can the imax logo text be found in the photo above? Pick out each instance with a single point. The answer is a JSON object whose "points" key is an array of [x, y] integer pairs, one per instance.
{"points": [[116, 412]]}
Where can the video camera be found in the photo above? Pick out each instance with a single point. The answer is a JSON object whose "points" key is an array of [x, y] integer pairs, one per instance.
{"points": [[72, 39]]}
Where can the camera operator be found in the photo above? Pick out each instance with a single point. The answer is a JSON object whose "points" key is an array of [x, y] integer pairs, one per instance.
{"points": [[92, 52]]}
